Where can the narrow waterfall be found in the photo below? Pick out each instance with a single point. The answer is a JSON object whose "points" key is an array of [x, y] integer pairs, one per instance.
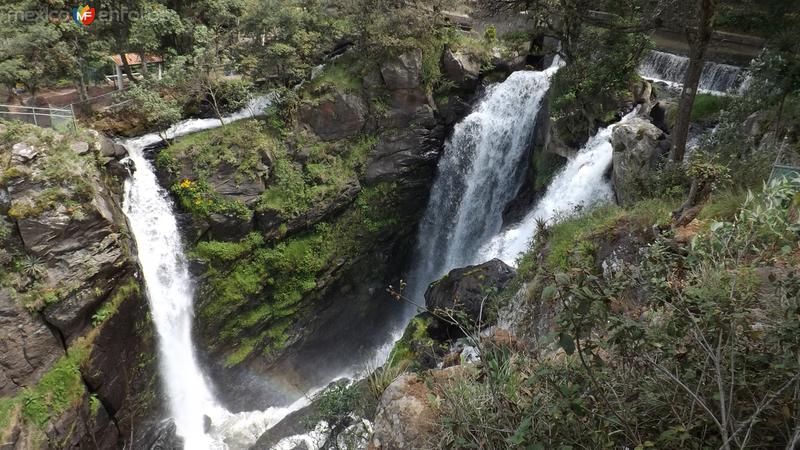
{"points": [[478, 174], [170, 292], [670, 68], [581, 183]]}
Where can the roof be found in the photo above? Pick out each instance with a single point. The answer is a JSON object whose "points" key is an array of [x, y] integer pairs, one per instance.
{"points": [[134, 59]]}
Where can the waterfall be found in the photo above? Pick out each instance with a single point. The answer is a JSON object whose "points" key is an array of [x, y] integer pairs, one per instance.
{"points": [[581, 183], [716, 78], [479, 173], [170, 291]]}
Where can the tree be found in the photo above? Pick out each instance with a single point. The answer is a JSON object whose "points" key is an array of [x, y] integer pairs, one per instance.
{"points": [[153, 31], [698, 34]]}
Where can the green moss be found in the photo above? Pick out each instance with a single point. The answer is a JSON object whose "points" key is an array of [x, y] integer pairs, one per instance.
{"points": [[565, 236], [110, 306], [545, 167], [341, 75], [723, 205], [257, 290], [60, 389], [295, 189], [706, 107]]}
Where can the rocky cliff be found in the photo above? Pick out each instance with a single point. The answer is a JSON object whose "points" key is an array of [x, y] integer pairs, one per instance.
{"points": [[74, 333]]}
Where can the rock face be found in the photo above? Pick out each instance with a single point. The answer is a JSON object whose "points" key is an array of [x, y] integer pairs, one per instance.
{"points": [[403, 72], [66, 270], [404, 419], [460, 68], [467, 289], [340, 117], [638, 145], [27, 348]]}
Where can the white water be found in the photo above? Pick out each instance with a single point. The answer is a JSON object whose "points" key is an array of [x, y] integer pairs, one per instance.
{"points": [[581, 183], [170, 292], [718, 79], [479, 172]]}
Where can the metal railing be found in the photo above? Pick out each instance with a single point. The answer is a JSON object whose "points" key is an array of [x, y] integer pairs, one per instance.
{"points": [[60, 119]]}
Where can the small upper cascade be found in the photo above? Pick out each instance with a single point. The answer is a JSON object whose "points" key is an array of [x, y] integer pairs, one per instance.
{"points": [[581, 183], [716, 78], [478, 174]]}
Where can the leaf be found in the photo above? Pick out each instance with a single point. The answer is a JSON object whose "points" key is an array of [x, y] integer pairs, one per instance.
{"points": [[566, 342], [549, 293], [520, 433]]}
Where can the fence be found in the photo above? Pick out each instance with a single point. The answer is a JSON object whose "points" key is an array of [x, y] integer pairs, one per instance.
{"points": [[61, 119]]}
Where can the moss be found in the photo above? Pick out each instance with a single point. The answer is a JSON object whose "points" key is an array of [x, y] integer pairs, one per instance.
{"points": [[60, 389], [723, 205], [545, 166], [253, 289], [706, 107], [110, 306], [341, 75], [295, 189], [566, 236], [406, 351]]}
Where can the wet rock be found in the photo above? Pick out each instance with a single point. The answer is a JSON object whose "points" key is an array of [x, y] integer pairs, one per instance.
{"points": [[403, 72], [404, 418], [399, 153], [27, 347], [638, 146], [161, 436], [466, 290], [339, 117], [228, 228]]}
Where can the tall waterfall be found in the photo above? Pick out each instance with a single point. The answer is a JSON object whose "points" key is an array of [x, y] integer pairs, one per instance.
{"points": [[478, 174], [170, 292], [670, 68], [581, 183]]}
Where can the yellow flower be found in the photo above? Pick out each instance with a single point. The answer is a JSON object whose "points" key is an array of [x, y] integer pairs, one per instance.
{"points": [[185, 184]]}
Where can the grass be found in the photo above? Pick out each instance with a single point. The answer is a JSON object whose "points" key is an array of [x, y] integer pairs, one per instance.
{"points": [[110, 306], [723, 205], [342, 75], [58, 390], [296, 189], [707, 107]]}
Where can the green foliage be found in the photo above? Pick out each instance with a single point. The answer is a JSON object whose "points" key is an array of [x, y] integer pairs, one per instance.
{"points": [[110, 306], [658, 355], [157, 111], [707, 107], [254, 292], [60, 389], [490, 34]]}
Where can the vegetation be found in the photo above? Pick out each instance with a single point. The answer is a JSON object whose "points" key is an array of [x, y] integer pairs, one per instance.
{"points": [[254, 290]]}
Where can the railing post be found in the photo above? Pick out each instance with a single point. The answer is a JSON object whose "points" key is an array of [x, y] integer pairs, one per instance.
{"points": [[72, 111]]}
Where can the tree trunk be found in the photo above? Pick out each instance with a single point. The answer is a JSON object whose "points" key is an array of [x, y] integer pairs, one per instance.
{"points": [[83, 93], [698, 43], [144, 64], [127, 68]]}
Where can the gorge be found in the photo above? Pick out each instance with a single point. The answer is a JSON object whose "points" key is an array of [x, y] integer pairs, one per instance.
{"points": [[335, 225]]}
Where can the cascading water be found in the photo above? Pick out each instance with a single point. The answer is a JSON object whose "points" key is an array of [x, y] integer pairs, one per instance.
{"points": [[581, 183], [170, 293], [478, 174], [671, 69]]}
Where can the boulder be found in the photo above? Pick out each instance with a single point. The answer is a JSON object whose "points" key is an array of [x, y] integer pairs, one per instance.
{"points": [[160, 436], [340, 117], [663, 114], [403, 72], [465, 290], [460, 68], [27, 347], [80, 147], [638, 146], [404, 419], [23, 153]]}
